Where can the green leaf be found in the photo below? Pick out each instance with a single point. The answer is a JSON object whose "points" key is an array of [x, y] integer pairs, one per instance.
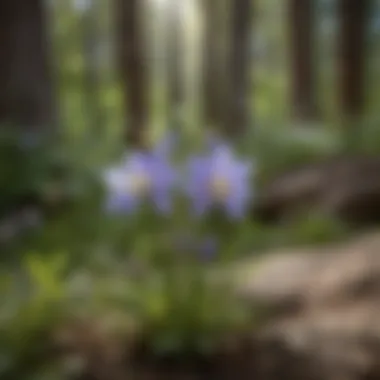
{"points": [[47, 273]]}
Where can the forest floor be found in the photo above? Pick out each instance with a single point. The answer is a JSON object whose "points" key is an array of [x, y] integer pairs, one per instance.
{"points": [[321, 298]]}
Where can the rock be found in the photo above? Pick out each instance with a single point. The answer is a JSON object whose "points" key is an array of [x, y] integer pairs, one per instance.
{"points": [[335, 329], [308, 274], [279, 279]]}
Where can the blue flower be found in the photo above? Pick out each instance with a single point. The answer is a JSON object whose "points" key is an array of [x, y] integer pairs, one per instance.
{"points": [[219, 179], [142, 176]]}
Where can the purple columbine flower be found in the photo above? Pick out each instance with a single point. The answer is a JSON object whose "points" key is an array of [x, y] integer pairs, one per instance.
{"points": [[219, 179], [141, 176]]}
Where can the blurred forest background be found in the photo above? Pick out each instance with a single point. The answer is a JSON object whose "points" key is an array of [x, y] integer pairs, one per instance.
{"points": [[289, 47], [83, 80]]}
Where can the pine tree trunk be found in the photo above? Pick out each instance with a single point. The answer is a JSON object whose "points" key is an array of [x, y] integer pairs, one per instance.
{"points": [[133, 67], [26, 92], [302, 48], [214, 69], [352, 45], [91, 80], [175, 78], [239, 67]]}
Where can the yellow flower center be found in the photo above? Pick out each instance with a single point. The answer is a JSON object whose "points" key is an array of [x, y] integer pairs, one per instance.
{"points": [[137, 184], [220, 188]]}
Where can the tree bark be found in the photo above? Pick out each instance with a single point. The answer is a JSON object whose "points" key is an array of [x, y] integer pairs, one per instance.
{"points": [[352, 45], [175, 78], [302, 48], [239, 67], [91, 80], [133, 68], [26, 92], [214, 64]]}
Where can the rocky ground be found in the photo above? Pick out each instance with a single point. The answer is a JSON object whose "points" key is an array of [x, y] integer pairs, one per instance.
{"points": [[327, 299]]}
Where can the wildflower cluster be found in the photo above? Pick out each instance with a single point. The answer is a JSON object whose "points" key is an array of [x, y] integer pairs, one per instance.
{"points": [[215, 179], [189, 212]]}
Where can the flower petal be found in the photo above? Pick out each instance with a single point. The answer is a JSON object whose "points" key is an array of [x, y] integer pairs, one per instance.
{"points": [[163, 202], [117, 203], [198, 185]]}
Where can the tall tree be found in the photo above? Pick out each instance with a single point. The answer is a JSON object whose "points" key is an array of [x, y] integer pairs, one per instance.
{"points": [[26, 93], [214, 70], [353, 16], [175, 78], [91, 80], [133, 67], [239, 67], [301, 18]]}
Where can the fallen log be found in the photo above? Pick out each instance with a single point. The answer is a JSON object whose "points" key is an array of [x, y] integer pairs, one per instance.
{"points": [[345, 187]]}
